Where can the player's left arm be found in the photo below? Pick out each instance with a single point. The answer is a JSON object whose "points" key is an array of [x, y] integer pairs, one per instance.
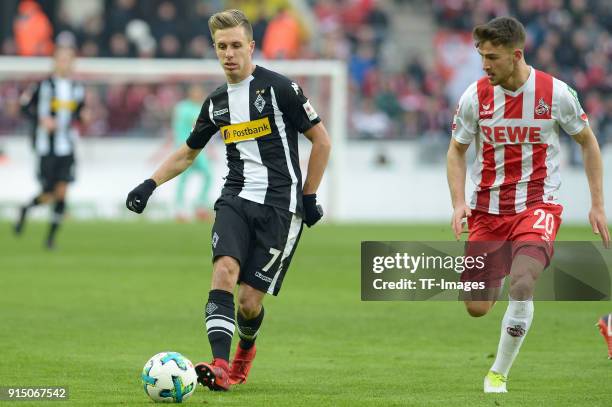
{"points": [[319, 156], [305, 119], [593, 167], [575, 122]]}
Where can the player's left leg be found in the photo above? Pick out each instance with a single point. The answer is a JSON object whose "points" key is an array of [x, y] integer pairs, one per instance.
{"points": [[59, 197], [534, 230], [249, 318], [526, 267]]}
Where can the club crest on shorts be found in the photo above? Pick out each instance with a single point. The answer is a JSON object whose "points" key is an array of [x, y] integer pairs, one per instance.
{"points": [[215, 240]]}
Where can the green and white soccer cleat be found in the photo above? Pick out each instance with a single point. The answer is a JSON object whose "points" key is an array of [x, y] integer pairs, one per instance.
{"points": [[495, 383]]}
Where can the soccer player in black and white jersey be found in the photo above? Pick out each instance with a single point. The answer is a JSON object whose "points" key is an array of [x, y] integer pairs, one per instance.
{"points": [[259, 216], [54, 105]]}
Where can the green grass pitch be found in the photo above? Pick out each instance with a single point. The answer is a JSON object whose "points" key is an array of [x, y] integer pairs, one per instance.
{"points": [[89, 315]]}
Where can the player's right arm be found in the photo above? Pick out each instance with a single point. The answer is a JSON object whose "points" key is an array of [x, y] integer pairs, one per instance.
{"points": [[456, 168], [464, 130], [178, 162]]}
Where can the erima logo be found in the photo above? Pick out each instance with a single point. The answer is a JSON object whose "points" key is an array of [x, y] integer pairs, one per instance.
{"points": [[485, 110], [220, 112], [542, 108], [515, 331]]}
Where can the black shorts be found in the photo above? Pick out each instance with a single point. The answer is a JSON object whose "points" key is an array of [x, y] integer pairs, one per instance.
{"points": [[261, 237], [54, 169]]}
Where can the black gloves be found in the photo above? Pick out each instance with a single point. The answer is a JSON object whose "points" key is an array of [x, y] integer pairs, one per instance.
{"points": [[312, 211], [138, 197]]}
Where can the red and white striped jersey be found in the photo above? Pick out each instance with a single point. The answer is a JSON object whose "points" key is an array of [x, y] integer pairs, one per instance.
{"points": [[517, 140]]}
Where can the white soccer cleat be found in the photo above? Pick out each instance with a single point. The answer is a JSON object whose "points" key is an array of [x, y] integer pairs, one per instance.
{"points": [[495, 383]]}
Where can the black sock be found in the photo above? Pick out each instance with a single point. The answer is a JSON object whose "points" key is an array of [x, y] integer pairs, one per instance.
{"points": [[36, 201], [248, 329], [219, 317], [58, 215]]}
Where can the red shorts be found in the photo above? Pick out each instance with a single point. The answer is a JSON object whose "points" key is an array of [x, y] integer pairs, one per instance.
{"points": [[531, 232]]}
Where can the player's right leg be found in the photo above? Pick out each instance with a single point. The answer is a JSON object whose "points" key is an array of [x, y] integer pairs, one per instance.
{"points": [[230, 243]]}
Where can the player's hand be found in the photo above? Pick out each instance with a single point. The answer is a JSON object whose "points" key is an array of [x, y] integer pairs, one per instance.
{"points": [[597, 218], [138, 197], [459, 213], [312, 211], [48, 123]]}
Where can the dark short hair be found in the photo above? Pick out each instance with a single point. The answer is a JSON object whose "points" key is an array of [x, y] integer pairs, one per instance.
{"points": [[506, 31], [230, 19]]}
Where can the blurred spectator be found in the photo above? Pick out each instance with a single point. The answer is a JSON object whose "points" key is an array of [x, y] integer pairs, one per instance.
{"points": [[119, 46], [119, 15], [368, 122], [169, 47], [167, 25], [33, 31], [282, 39]]}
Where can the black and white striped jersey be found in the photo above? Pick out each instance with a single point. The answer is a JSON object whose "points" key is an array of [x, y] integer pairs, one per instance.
{"points": [[62, 99], [259, 120]]}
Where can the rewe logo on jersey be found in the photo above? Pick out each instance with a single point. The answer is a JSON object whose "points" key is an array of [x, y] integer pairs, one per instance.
{"points": [[235, 133], [511, 134]]}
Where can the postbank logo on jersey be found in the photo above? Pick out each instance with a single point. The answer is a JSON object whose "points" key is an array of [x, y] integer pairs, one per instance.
{"points": [[235, 133], [62, 104]]}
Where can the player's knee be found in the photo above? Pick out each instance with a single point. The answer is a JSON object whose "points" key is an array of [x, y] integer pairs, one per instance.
{"points": [[226, 268], [249, 307], [478, 308], [521, 288]]}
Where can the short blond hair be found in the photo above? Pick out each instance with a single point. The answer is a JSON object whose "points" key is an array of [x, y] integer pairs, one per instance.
{"points": [[229, 19]]}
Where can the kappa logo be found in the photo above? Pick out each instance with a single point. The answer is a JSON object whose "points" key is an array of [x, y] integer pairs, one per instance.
{"points": [[220, 112], [486, 107], [215, 240], [515, 331], [295, 87], [211, 307], [542, 108]]}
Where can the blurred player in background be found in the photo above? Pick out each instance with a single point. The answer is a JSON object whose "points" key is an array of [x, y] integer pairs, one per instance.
{"points": [[54, 105], [259, 216], [183, 120], [513, 114]]}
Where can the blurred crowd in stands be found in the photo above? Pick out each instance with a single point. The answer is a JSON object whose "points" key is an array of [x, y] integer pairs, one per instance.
{"points": [[568, 38]]}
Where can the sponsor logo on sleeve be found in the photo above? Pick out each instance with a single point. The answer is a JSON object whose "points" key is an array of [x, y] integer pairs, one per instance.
{"points": [[310, 112]]}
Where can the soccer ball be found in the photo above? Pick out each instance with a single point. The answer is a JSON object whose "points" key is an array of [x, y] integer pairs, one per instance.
{"points": [[169, 377]]}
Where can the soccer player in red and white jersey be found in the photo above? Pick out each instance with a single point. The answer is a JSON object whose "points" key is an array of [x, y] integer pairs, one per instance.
{"points": [[513, 115]]}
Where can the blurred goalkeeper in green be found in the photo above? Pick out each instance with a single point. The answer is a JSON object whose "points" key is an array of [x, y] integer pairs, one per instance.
{"points": [[183, 119]]}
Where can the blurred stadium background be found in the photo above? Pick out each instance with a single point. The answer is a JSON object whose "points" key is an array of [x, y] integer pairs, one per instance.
{"points": [[400, 67]]}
